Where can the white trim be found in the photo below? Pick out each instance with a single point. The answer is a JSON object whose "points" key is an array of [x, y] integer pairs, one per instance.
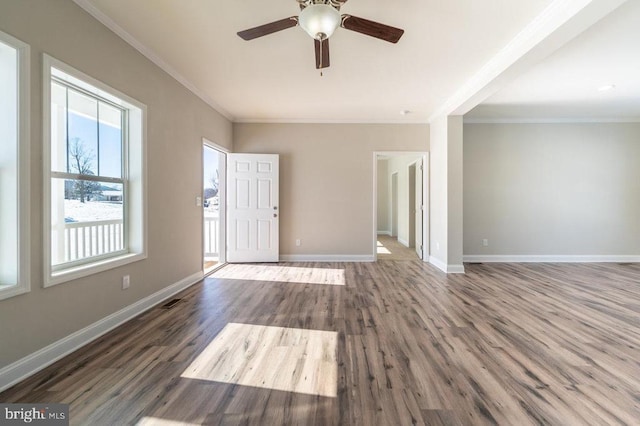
{"points": [[403, 242], [23, 163], [552, 258], [137, 240], [455, 269], [46, 356], [92, 268], [213, 269], [548, 120], [415, 120], [222, 197], [449, 269], [151, 55], [327, 258], [393, 191], [388, 233], [438, 263], [558, 23], [215, 146]]}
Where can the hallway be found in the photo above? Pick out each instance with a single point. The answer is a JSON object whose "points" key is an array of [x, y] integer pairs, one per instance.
{"points": [[390, 249]]}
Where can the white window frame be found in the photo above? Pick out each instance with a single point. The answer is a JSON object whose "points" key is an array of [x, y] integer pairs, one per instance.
{"points": [[22, 280], [135, 205]]}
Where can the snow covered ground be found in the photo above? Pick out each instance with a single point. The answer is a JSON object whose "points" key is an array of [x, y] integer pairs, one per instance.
{"points": [[91, 211]]}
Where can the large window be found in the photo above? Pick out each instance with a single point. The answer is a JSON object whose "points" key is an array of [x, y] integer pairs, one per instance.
{"points": [[94, 165], [14, 174]]}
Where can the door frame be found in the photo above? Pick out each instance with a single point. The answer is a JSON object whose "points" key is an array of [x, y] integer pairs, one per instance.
{"points": [[222, 196], [393, 207], [417, 165], [411, 187], [425, 197]]}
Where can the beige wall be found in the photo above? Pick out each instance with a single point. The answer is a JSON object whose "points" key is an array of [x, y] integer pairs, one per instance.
{"points": [[176, 122], [552, 189], [384, 203], [326, 179]]}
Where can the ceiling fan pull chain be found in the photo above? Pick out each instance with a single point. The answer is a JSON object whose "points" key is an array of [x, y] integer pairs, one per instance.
{"points": [[321, 43]]}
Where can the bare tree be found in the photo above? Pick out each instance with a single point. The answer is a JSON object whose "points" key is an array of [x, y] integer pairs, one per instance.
{"points": [[81, 162], [214, 183]]}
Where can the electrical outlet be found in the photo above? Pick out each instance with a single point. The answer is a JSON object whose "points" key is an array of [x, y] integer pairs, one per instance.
{"points": [[298, 242], [126, 282], [485, 243], [198, 201]]}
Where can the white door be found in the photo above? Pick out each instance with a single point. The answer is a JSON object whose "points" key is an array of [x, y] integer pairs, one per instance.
{"points": [[252, 208], [419, 208]]}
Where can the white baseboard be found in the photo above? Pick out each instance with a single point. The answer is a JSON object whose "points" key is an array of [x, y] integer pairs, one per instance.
{"points": [[449, 269], [384, 233], [327, 258], [403, 242], [552, 258], [455, 269], [31, 364], [438, 263]]}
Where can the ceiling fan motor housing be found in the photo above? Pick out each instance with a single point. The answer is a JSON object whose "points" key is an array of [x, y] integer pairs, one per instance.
{"points": [[319, 20]]}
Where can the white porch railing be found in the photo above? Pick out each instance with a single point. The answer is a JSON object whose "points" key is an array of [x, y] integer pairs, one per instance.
{"points": [[211, 236], [87, 239]]}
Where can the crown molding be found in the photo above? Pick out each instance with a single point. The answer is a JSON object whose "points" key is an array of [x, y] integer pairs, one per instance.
{"points": [[151, 55], [326, 121], [549, 120], [558, 23]]}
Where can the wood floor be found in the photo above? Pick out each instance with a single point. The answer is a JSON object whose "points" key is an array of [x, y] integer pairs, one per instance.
{"points": [[390, 249], [502, 344]]}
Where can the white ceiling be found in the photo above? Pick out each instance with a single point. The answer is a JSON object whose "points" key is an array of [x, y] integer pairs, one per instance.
{"points": [[274, 78], [565, 85]]}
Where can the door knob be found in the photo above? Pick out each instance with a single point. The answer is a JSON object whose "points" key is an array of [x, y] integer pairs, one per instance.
{"points": [[275, 215], [275, 207]]}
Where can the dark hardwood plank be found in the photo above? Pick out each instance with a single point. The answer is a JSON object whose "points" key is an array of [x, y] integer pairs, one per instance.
{"points": [[502, 344]]}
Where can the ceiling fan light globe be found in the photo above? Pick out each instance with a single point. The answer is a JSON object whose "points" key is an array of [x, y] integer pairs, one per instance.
{"points": [[319, 20]]}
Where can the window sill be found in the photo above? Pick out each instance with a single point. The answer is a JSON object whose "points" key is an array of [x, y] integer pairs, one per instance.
{"points": [[74, 273], [7, 291]]}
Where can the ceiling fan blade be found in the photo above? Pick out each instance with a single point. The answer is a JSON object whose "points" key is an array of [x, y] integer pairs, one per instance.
{"points": [[322, 53], [370, 28], [270, 28]]}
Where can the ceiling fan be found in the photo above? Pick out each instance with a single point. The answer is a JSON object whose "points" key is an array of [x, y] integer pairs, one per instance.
{"points": [[320, 18]]}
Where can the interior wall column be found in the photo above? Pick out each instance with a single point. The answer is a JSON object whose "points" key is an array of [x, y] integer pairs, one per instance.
{"points": [[446, 193]]}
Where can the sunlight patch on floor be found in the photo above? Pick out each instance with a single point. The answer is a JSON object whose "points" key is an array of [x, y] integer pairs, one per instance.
{"points": [[276, 273], [382, 249], [278, 358]]}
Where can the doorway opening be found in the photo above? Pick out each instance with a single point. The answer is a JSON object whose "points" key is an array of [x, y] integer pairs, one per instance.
{"points": [[394, 205], [411, 207], [400, 206], [213, 206]]}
